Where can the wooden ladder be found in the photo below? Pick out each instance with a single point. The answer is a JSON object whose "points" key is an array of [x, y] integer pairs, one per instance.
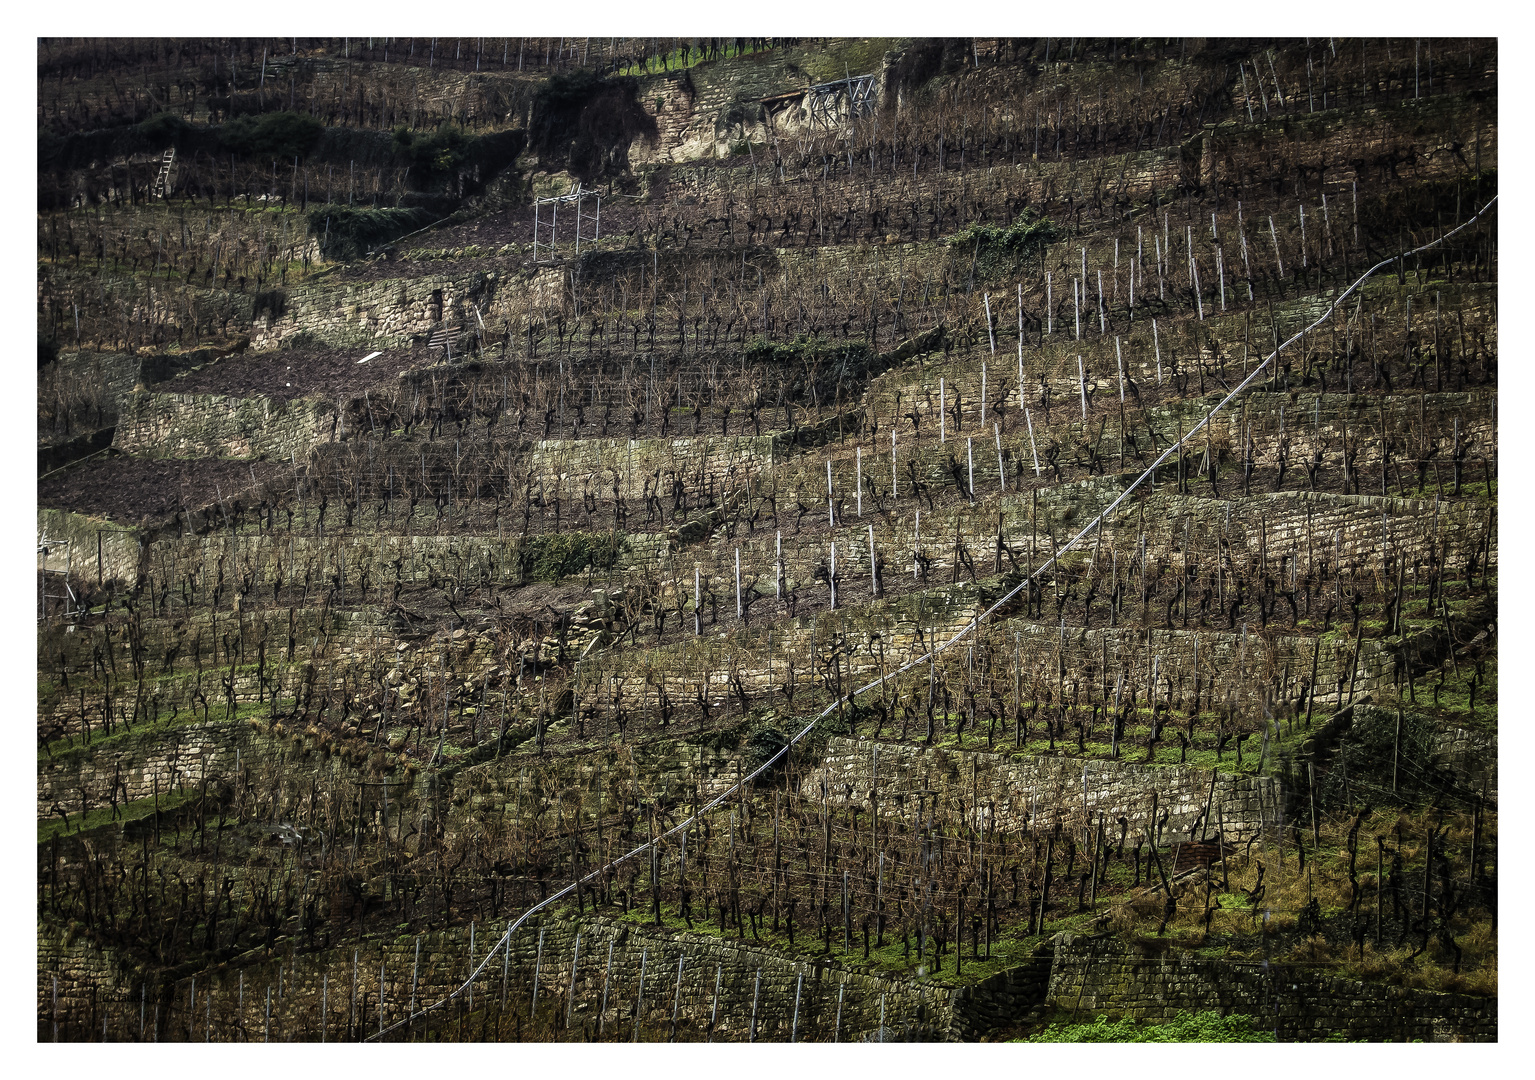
{"points": [[442, 338], [163, 179]]}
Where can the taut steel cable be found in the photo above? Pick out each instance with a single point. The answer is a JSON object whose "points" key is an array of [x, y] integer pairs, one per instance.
{"points": [[505, 940]]}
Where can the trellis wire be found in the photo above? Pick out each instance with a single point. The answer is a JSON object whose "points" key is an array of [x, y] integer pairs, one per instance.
{"points": [[506, 937]]}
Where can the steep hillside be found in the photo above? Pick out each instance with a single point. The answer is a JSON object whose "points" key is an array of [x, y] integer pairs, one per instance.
{"points": [[793, 487]]}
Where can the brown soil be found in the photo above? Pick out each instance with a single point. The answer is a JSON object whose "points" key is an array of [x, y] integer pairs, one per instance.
{"points": [[293, 373], [398, 270], [622, 217], [619, 215], [131, 489]]}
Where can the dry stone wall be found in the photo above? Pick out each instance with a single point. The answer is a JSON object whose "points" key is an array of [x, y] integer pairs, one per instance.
{"points": [[246, 659], [185, 313], [378, 313], [727, 461], [1102, 975], [1038, 792], [359, 989], [424, 968], [1472, 755], [1265, 662], [89, 547], [215, 425]]}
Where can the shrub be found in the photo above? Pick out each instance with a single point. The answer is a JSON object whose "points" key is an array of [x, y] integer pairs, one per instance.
{"points": [[437, 153], [275, 135], [761, 745], [448, 157], [998, 251], [354, 230], [163, 128], [550, 558], [273, 302], [1185, 1027]]}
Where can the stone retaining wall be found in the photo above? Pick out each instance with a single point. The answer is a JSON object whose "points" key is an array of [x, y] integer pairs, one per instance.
{"points": [[1040, 791], [425, 968], [215, 425], [1093, 976], [340, 989]]}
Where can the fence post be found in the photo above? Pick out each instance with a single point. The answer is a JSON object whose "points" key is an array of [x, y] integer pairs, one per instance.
{"points": [[538, 968], [639, 1000], [605, 980], [714, 1011], [676, 999], [751, 1035], [570, 1000]]}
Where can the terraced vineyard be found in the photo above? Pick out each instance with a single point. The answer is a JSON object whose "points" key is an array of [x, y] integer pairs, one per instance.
{"points": [[833, 591]]}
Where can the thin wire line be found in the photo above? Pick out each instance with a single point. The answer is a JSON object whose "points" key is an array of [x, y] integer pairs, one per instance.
{"points": [[505, 940]]}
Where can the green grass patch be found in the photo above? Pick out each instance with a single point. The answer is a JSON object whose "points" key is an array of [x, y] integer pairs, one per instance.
{"points": [[1132, 743], [998, 251], [78, 745], [103, 816], [672, 61], [1186, 1027], [1010, 947]]}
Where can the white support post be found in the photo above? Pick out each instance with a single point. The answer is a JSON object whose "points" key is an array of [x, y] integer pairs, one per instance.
{"points": [[832, 578], [1030, 421], [831, 517], [1020, 344], [1133, 265], [916, 542], [873, 577]]}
